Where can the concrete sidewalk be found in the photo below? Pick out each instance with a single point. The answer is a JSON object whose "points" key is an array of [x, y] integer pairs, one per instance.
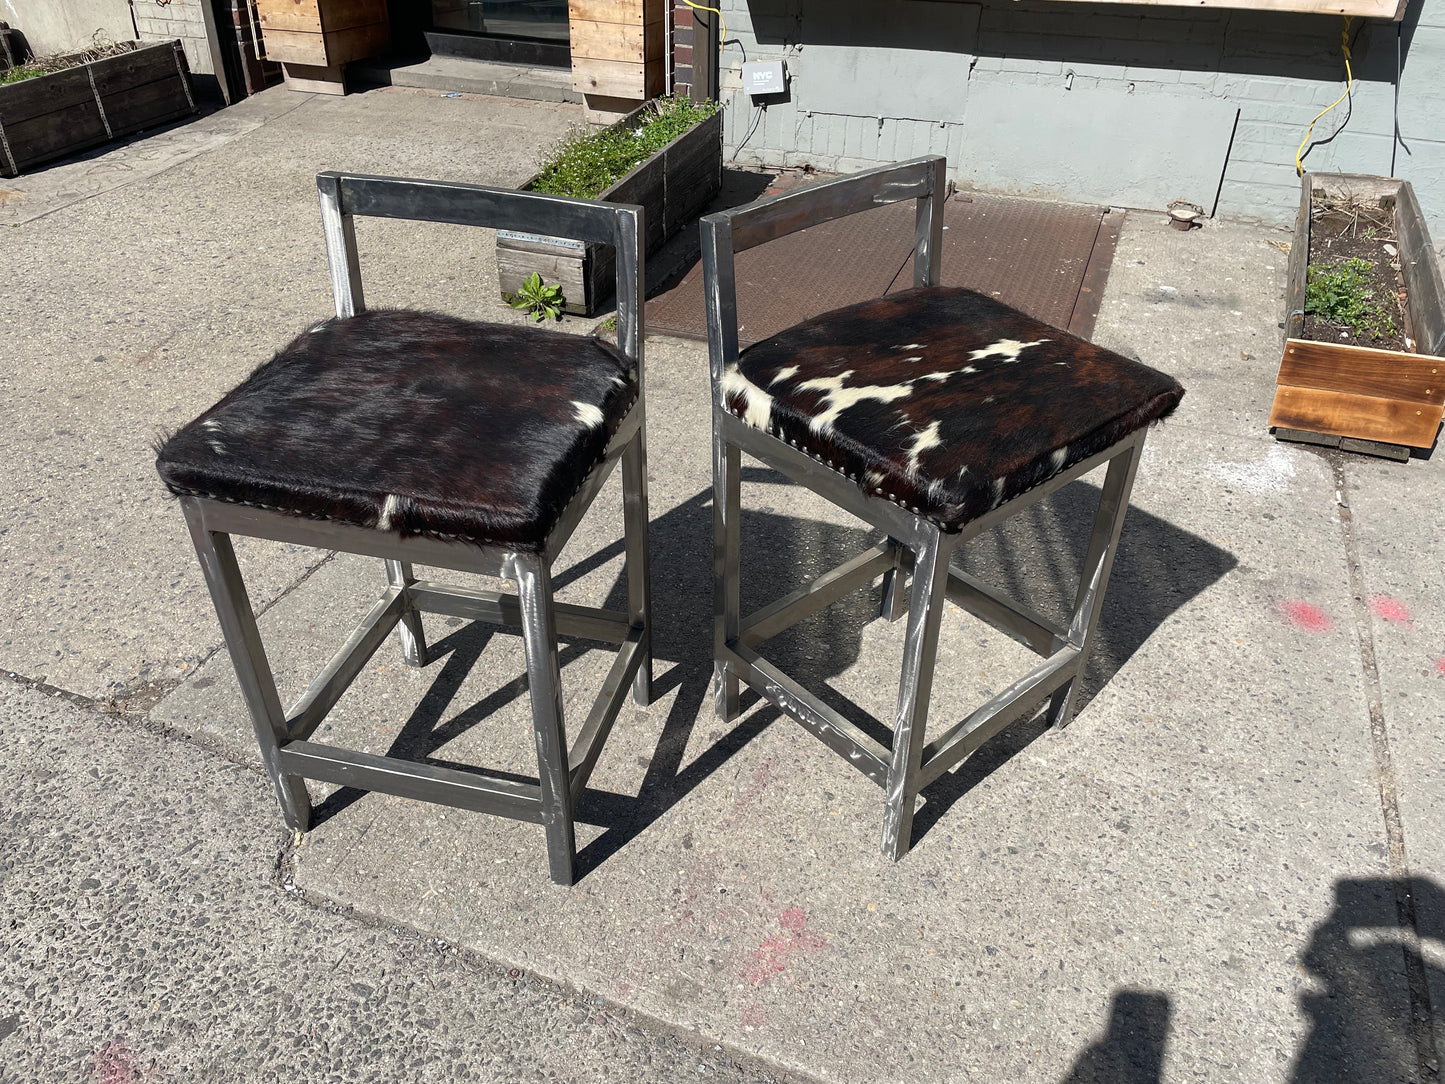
{"points": [[1217, 873]]}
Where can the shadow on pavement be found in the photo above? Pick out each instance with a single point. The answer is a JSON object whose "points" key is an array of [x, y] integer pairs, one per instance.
{"points": [[1370, 1016], [1159, 569]]}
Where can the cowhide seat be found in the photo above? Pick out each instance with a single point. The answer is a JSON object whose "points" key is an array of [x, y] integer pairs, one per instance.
{"points": [[934, 414], [421, 438]]}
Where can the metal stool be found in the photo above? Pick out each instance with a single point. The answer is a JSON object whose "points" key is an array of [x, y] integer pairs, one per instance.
{"points": [[933, 414], [421, 438]]}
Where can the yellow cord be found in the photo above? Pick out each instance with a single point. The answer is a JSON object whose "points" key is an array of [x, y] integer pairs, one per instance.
{"points": [[703, 7], [1349, 85]]}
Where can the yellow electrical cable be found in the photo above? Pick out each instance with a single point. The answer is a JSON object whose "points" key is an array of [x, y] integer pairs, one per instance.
{"points": [[1349, 86], [703, 7]]}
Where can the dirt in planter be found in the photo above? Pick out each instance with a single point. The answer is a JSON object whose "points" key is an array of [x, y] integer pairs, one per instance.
{"points": [[1343, 229]]}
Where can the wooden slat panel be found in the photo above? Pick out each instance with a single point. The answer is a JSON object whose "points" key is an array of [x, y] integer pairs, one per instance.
{"points": [[54, 134], [45, 94], [515, 265], [147, 106], [1421, 268], [315, 16], [116, 75], [631, 12], [1299, 258], [1363, 416], [644, 185], [616, 41], [1358, 370], [332, 48], [612, 78]]}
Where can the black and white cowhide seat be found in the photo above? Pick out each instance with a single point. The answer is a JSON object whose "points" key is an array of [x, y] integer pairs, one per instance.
{"points": [[455, 445], [412, 422], [933, 414], [942, 400]]}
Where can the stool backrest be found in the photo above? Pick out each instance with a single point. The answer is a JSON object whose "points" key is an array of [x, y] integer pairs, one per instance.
{"points": [[344, 195], [728, 232]]}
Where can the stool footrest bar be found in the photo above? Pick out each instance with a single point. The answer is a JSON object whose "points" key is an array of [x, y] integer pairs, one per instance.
{"points": [[818, 595], [1008, 615], [605, 709], [1007, 707], [504, 608], [308, 712], [836, 732], [477, 791]]}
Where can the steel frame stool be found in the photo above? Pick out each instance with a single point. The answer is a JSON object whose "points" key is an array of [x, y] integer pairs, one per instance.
{"points": [[916, 547], [290, 757]]}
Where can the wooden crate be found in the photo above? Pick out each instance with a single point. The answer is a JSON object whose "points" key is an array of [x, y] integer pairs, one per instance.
{"points": [[314, 39], [673, 187], [1382, 401], [52, 116], [618, 54]]}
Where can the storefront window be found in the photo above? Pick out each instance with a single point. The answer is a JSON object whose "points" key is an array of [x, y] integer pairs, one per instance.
{"points": [[525, 19]]}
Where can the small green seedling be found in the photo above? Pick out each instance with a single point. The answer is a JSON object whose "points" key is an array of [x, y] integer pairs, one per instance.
{"points": [[538, 300]]}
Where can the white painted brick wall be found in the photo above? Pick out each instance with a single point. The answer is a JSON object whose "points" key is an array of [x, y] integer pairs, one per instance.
{"points": [[181, 19], [1279, 70]]}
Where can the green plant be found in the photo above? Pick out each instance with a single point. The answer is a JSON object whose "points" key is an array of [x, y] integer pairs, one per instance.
{"points": [[585, 164], [539, 300], [19, 72], [1341, 294]]}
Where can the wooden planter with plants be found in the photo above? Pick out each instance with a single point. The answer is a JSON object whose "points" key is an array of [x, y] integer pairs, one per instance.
{"points": [[52, 115], [673, 184], [1365, 320]]}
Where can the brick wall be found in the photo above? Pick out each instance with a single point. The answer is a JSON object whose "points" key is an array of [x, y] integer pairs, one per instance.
{"points": [[1278, 70], [183, 19]]}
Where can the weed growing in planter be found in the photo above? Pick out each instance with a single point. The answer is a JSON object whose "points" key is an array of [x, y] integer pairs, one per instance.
{"points": [[15, 75], [586, 164], [537, 299], [1341, 293]]}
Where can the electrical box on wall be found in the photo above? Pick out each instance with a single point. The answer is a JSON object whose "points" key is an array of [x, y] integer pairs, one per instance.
{"points": [[764, 77]]}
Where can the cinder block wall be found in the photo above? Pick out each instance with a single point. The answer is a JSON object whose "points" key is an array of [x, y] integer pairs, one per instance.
{"points": [[181, 19], [1188, 69]]}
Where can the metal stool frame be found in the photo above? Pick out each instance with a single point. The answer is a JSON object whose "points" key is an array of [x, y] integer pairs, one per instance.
{"points": [[283, 735], [915, 546]]}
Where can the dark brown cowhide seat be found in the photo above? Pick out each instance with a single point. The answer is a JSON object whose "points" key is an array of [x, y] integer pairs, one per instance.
{"points": [[943, 400], [412, 422]]}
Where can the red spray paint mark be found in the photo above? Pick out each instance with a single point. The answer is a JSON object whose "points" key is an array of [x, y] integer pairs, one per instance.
{"points": [[1306, 616], [1440, 666], [774, 954], [1390, 609], [115, 1064]]}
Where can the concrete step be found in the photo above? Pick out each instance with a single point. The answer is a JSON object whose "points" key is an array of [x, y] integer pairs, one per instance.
{"points": [[448, 73]]}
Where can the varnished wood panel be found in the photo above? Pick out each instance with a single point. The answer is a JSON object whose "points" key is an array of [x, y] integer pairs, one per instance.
{"points": [[1364, 416], [1358, 370]]}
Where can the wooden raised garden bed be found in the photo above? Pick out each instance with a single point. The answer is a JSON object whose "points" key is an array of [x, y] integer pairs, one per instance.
{"points": [[52, 116], [1348, 394], [673, 186], [314, 40]]}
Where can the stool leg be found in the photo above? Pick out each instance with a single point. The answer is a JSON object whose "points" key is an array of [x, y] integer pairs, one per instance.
{"points": [[925, 613], [895, 599], [634, 530], [539, 634], [248, 657], [1094, 573], [409, 628], [727, 599]]}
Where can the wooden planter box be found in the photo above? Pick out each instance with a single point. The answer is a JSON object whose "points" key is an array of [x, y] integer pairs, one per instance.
{"points": [[673, 187], [52, 116], [314, 40], [1379, 401], [618, 53]]}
